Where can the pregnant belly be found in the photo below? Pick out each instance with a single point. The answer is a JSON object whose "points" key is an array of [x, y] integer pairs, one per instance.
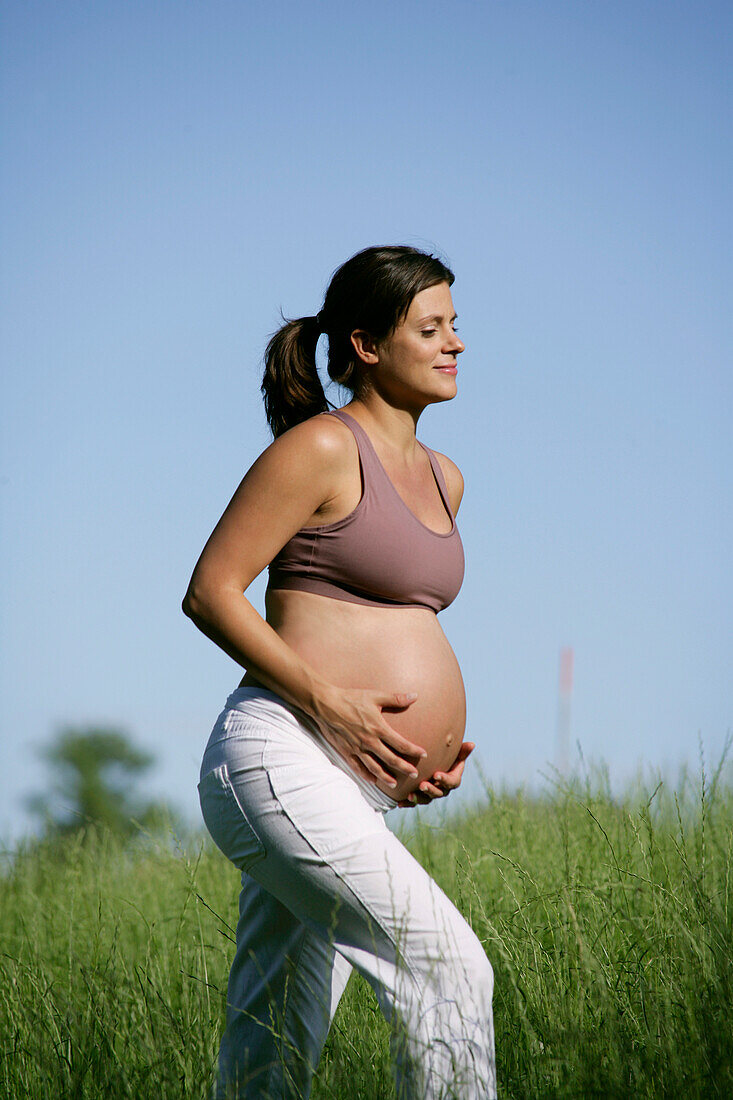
{"points": [[387, 649]]}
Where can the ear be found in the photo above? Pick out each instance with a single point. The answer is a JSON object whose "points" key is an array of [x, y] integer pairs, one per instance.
{"points": [[365, 346]]}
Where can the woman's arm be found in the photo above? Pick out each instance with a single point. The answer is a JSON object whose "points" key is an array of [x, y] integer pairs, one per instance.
{"points": [[285, 487]]}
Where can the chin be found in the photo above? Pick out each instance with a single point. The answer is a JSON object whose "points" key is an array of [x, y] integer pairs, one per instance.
{"points": [[448, 392]]}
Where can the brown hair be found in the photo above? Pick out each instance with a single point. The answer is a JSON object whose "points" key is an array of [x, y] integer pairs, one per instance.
{"points": [[371, 291]]}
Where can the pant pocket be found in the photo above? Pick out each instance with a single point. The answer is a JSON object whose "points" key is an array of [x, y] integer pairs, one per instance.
{"points": [[226, 820], [323, 804]]}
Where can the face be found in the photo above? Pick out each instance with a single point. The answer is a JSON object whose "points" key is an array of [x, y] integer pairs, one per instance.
{"points": [[417, 364]]}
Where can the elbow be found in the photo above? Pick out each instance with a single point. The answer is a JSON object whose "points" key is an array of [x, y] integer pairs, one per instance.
{"points": [[207, 598], [203, 601], [192, 604]]}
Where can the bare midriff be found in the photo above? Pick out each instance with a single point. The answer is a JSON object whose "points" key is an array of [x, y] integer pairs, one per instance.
{"points": [[386, 649]]}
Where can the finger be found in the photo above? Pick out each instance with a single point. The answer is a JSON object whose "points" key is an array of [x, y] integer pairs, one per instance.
{"points": [[420, 799], [376, 755], [376, 770], [465, 750], [450, 780], [360, 769], [386, 757], [463, 754], [431, 790], [397, 700], [380, 745], [452, 777], [396, 741]]}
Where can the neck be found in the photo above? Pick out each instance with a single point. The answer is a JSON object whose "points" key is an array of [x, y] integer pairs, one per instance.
{"points": [[393, 426]]}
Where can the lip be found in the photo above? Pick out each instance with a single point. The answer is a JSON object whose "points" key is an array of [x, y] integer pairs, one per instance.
{"points": [[447, 370]]}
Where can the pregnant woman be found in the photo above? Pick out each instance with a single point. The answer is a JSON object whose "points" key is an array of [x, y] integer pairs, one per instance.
{"points": [[352, 702]]}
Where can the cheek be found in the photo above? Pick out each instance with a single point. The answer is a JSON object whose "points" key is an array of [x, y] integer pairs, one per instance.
{"points": [[423, 351]]}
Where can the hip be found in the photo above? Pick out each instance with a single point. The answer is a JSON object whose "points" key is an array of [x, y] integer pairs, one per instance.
{"points": [[260, 731]]}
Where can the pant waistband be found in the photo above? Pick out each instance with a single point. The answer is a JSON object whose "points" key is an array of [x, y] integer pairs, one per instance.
{"points": [[294, 716]]}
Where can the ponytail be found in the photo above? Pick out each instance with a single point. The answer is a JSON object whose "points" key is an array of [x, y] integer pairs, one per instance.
{"points": [[291, 388]]}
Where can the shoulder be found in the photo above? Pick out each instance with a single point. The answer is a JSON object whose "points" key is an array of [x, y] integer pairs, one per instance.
{"points": [[321, 440], [309, 461], [453, 479]]}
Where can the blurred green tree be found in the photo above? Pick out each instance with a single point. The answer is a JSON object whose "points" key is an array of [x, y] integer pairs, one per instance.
{"points": [[95, 771]]}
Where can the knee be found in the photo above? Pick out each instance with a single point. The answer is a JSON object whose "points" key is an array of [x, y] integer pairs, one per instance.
{"points": [[478, 971], [453, 965], [464, 973], [486, 976]]}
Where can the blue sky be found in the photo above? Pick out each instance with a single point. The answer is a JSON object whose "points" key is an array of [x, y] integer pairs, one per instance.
{"points": [[175, 174]]}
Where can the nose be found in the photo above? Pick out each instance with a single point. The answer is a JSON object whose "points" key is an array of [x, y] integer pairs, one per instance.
{"points": [[457, 344]]}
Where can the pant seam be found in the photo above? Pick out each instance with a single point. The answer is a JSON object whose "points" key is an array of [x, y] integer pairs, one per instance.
{"points": [[352, 889], [384, 900]]}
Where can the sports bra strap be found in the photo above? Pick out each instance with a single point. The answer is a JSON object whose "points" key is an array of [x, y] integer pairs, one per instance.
{"points": [[372, 464], [367, 454], [442, 484]]}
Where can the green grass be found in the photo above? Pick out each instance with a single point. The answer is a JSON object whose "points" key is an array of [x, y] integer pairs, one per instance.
{"points": [[609, 922]]}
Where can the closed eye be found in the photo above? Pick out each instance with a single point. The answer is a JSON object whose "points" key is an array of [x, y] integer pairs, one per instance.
{"points": [[431, 331]]}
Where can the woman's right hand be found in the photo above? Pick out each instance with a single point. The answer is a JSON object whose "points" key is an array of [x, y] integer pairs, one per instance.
{"points": [[353, 722]]}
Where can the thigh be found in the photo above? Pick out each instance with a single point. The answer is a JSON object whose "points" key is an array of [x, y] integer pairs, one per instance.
{"points": [[330, 858], [268, 792], [301, 828]]}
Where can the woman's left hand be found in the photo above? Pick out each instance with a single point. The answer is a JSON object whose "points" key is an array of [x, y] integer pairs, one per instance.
{"points": [[440, 784]]}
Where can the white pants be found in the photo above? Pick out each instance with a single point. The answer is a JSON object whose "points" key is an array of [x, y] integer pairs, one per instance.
{"points": [[327, 887]]}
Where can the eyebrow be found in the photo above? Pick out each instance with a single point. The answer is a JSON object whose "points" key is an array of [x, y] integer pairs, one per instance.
{"points": [[435, 317]]}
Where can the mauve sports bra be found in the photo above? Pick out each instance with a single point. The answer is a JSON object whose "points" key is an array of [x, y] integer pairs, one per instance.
{"points": [[380, 554]]}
